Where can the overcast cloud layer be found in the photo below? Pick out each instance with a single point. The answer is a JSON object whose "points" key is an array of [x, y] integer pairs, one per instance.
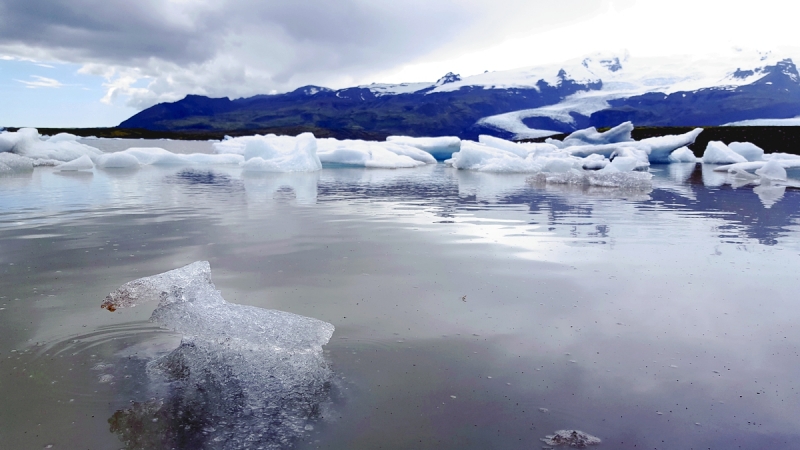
{"points": [[160, 50], [157, 50]]}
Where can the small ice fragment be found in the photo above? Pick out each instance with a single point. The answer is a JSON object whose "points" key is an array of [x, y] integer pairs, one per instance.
{"points": [[452, 396], [107, 378], [571, 438], [544, 410], [673, 366]]}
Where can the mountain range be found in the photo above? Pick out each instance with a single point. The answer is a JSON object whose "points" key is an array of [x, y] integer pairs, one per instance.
{"points": [[600, 90]]}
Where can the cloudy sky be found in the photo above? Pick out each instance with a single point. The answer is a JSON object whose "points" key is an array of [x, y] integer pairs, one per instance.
{"points": [[97, 62]]}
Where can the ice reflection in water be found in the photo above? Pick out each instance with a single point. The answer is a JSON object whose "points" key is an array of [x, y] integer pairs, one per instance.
{"points": [[629, 317]]}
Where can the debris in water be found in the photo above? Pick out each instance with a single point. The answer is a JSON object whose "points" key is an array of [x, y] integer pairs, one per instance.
{"points": [[571, 438]]}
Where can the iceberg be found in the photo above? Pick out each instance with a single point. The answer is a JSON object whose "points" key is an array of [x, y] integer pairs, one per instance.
{"points": [[719, 153], [682, 155], [749, 151], [27, 142], [620, 133], [119, 160], [384, 155], [82, 163], [252, 377], [481, 157], [772, 171], [661, 147], [155, 156], [440, 148]]}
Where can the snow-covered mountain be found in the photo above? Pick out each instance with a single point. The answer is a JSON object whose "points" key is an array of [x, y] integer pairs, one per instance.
{"points": [[598, 90]]}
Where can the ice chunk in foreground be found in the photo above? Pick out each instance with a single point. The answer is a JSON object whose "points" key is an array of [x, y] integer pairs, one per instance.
{"points": [[571, 438], [254, 376], [750, 152], [440, 147], [719, 153], [11, 164], [82, 163]]}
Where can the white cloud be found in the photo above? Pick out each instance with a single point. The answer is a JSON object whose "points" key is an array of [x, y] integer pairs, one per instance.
{"points": [[41, 82]]}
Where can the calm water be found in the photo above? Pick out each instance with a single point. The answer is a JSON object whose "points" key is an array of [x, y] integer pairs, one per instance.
{"points": [[471, 310]]}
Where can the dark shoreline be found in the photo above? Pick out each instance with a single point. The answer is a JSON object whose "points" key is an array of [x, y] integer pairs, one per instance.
{"points": [[771, 139]]}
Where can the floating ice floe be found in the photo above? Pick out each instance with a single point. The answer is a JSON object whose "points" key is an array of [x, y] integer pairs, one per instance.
{"points": [[440, 148], [82, 163], [61, 147], [384, 155], [718, 153], [250, 377]]}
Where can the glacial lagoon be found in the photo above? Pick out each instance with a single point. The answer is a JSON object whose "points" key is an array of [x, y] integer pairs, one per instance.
{"points": [[471, 310]]}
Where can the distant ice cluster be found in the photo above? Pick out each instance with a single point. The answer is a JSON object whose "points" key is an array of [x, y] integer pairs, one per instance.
{"points": [[587, 158], [243, 377]]}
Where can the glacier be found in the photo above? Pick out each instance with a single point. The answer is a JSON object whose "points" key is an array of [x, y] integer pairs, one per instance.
{"points": [[255, 377]]}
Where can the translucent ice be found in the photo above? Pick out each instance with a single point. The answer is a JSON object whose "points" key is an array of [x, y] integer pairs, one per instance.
{"points": [[606, 177], [256, 376], [11, 163]]}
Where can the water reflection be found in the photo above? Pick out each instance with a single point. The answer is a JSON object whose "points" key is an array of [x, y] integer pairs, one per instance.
{"points": [[465, 305]]}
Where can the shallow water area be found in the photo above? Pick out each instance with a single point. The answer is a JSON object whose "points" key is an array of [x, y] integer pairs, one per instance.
{"points": [[472, 310]]}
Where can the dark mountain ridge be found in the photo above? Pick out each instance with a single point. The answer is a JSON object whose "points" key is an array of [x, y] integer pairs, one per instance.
{"points": [[429, 111]]}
